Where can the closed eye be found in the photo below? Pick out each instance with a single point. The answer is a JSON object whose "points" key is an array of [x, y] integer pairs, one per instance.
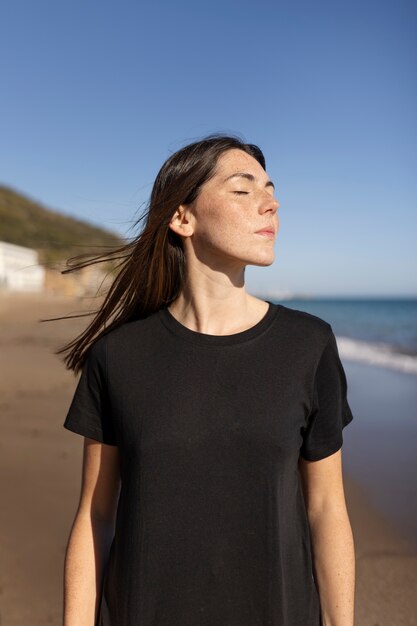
{"points": [[240, 192]]}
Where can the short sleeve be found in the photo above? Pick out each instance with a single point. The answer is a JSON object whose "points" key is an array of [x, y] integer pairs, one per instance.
{"points": [[322, 435], [89, 413]]}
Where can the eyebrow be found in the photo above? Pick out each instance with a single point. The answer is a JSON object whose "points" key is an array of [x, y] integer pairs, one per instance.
{"points": [[250, 177]]}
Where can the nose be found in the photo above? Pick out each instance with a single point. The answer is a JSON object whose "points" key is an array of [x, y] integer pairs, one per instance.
{"points": [[270, 202]]}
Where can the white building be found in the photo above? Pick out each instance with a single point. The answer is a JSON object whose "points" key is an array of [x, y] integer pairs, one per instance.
{"points": [[20, 269]]}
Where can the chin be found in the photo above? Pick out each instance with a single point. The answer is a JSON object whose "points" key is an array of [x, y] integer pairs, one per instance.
{"points": [[263, 261]]}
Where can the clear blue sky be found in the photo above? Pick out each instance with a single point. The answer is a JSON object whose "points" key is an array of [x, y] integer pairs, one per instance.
{"points": [[97, 94]]}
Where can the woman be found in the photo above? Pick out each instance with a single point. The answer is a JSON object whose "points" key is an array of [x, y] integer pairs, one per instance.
{"points": [[212, 491]]}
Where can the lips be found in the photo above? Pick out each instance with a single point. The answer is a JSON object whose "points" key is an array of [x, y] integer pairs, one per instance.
{"points": [[269, 230]]}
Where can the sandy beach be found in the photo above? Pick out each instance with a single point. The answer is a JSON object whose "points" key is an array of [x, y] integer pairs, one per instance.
{"points": [[41, 472]]}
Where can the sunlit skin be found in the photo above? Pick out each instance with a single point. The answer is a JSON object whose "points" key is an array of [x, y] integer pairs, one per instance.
{"points": [[222, 222], [219, 239]]}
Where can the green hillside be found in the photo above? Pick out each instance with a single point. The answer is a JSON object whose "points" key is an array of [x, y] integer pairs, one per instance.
{"points": [[56, 237]]}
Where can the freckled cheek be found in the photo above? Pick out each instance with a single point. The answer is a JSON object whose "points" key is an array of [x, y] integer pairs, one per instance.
{"points": [[211, 218], [222, 235], [223, 223]]}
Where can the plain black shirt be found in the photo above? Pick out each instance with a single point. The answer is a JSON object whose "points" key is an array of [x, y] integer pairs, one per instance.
{"points": [[211, 526]]}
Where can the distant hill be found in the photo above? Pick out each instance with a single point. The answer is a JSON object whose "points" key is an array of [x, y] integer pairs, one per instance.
{"points": [[56, 237]]}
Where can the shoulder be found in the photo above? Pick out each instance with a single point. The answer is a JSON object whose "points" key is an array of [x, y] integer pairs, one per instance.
{"points": [[127, 334], [303, 319], [304, 328]]}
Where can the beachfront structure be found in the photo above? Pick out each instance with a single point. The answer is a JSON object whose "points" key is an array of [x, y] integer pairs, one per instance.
{"points": [[20, 269]]}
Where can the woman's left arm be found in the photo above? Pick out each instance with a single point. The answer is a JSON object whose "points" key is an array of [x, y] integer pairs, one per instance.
{"points": [[332, 542]]}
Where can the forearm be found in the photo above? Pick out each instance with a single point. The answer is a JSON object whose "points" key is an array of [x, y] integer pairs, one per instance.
{"points": [[334, 565], [87, 552]]}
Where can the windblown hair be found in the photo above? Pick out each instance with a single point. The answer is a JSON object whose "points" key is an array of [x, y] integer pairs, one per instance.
{"points": [[151, 268]]}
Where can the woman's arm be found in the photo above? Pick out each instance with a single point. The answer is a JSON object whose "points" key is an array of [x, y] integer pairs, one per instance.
{"points": [[91, 534], [331, 538]]}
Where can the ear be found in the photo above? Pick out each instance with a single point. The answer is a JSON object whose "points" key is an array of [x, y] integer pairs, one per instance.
{"points": [[182, 221]]}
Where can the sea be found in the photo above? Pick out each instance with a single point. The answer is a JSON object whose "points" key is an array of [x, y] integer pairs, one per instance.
{"points": [[381, 332]]}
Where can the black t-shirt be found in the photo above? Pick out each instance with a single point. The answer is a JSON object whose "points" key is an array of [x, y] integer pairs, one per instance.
{"points": [[211, 525]]}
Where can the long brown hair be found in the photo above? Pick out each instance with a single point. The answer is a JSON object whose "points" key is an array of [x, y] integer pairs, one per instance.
{"points": [[151, 268]]}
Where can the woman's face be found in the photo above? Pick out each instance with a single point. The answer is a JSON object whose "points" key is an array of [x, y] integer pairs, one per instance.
{"points": [[222, 223]]}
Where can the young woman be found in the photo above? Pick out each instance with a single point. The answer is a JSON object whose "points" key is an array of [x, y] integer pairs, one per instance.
{"points": [[212, 490]]}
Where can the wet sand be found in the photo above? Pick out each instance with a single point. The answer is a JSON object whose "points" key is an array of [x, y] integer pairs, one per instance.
{"points": [[380, 444], [40, 473]]}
